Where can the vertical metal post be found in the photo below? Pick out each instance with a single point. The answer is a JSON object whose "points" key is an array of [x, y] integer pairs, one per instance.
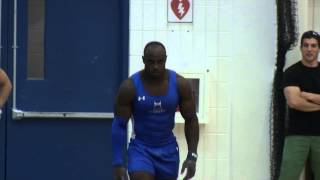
{"points": [[14, 53]]}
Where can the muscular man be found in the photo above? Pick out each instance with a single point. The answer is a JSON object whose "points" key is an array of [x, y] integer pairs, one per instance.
{"points": [[302, 92], [150, 98]]}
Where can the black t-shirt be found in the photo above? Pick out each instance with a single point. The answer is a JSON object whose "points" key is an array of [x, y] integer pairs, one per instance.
{"points": [[308, 80]]}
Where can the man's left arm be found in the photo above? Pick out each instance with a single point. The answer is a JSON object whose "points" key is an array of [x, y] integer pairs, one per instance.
{"points": [[191, 128], [313, 97]]}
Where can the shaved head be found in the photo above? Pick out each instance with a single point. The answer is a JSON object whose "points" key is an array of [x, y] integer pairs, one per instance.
{"points": [[154, 47]]}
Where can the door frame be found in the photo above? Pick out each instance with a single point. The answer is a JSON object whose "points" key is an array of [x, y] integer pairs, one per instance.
{"points": [[18, 114]]}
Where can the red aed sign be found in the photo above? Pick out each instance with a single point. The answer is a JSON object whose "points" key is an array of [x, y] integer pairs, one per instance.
{"points": [[180, 10], [180, 7]]}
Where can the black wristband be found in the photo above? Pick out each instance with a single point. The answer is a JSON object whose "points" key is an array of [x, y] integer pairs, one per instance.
{"points": [[192, 156]]}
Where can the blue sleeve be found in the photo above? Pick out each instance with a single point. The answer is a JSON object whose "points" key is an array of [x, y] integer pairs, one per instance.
{"points": [[119, 140]]}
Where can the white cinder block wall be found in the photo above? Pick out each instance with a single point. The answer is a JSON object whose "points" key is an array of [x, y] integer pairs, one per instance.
{"points": [[316, 15], [254, 53], [233, 43]]}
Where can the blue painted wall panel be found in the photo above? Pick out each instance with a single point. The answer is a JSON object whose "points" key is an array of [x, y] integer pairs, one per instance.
{"points": [[86, 58], [83, 65]]}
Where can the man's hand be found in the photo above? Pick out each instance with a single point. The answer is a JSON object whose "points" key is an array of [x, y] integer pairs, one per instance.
{"points": [[120, 173], [190, 165], [307, 96], [311, 97]]}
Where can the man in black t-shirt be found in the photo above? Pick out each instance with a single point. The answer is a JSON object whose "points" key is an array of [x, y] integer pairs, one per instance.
{"points": [[302, 92]]}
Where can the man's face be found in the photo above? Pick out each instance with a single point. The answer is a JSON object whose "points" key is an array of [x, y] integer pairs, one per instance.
{"points": [[155, 61], [309, 50]]}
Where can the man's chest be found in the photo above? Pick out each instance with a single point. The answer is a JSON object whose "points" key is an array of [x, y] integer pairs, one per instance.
{"points": [[310, 82]]}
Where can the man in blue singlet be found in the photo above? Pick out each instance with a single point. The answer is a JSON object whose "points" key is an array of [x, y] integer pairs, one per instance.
{"points": [[150, 98]]}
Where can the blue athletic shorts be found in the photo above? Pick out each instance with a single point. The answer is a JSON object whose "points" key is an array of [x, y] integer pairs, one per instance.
{"points": [[162, 162]]}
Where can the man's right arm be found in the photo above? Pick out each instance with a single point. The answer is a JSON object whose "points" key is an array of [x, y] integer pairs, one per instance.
{"points": [[296, 101], [122, 113]]}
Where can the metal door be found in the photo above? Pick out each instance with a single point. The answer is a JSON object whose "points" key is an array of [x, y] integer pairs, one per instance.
{"points": [[58, 125]]}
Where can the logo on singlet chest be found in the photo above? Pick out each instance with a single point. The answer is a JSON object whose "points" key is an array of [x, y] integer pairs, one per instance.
{"points": [[141, 98], [154, 106], [157, 107]]}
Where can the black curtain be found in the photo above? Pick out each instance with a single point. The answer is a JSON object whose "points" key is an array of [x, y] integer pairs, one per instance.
{"points": [[287, 38]]}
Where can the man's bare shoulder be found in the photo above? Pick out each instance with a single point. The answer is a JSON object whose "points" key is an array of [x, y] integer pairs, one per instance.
{"points": [[127, 84], [184, 87], [127, 89], [182, 82]]}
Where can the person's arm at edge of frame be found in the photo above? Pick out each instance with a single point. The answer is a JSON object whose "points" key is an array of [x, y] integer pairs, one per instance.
{"points": [[296, 101], [191, 127], [122, 113], [5, 87]]}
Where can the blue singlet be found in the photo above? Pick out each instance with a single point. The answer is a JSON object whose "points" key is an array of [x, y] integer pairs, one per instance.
{"points": [[153, 147]]}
